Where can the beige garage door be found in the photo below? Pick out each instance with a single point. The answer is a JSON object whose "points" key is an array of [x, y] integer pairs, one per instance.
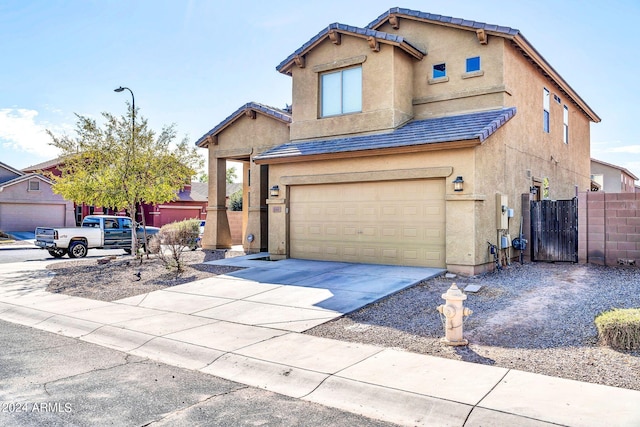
{"points": [[26, 217], [389, 222]]}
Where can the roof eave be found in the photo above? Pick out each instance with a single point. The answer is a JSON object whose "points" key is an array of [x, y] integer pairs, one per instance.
{"points": [[522, 43], [205, 140], [285, 68], [433, 146], [11, 169], [25, 177]]}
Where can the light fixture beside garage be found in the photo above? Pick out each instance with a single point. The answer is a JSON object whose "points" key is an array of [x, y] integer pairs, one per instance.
{"points": [[274, 191], [457, 184]]}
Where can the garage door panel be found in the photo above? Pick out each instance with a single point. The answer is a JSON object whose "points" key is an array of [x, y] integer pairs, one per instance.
{"points": [[26, 217], [399, 222]]}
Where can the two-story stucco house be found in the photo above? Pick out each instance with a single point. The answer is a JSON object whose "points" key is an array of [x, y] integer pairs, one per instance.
{"points": [[409, 141], [611, 178]]}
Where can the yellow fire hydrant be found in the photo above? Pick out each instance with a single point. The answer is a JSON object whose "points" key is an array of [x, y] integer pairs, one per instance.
{"points": [[454, 312]]}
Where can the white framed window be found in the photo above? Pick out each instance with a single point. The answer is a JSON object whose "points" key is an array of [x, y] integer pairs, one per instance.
{"points": [[34, 185], [341, 92], [545, 110], [565, 121]]}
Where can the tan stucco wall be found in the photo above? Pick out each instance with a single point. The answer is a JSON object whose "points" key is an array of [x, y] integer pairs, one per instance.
{"points": [[386, 82], [530, 148], [460, 92]]}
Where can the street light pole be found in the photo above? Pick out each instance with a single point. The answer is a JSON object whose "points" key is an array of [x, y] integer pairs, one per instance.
{"points": [[133, 109], [134, 233]]}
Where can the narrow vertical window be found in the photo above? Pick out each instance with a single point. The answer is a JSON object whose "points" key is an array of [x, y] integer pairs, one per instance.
{"points": [[565, 120], [341, 92], [545, 112]]}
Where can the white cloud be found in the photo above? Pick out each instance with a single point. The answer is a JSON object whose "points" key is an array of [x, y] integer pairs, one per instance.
{"points": [[21, 131], [630, 149]]}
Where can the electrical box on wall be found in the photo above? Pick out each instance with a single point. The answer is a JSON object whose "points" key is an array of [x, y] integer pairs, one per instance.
{"points": [[502, 218]]}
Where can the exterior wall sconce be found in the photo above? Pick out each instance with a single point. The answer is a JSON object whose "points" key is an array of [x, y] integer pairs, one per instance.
{"points": [[457, 184], [274, 191]]}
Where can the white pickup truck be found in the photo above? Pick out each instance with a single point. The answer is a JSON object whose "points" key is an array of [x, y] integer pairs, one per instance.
{"points": [[96, 231]]}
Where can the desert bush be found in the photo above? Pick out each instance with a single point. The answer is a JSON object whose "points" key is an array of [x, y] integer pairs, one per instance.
{"points": [[172, 240], [235, 201], [620, 328]]}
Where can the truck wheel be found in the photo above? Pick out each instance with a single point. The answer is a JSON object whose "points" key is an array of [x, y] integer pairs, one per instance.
{"points": [[57, 253], [77, 250]]}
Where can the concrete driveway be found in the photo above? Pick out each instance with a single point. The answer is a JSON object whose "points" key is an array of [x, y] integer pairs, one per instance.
{"points": [[292, 295]]}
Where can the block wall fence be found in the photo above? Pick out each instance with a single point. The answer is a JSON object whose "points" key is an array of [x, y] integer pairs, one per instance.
{"points": [[609, 228], [235, 224]]}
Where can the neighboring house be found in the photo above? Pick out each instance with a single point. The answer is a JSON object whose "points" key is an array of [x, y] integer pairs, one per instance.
{"points": [[27, 201], [409, 142], [611, 178], [191, 201]]}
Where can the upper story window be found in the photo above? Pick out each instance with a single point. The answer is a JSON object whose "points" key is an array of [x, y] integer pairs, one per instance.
{"points": [[34, 185], [545, 108], [565, 120], [473, 64], [439, 71], [341, 92]]}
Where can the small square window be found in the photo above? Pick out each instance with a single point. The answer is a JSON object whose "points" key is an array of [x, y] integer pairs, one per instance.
{"points": [[473, 64], [439, 70], [34, 185]]}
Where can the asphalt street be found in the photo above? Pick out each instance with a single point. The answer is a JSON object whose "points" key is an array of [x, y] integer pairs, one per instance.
{"points": [[52, 380], [37, 254]]}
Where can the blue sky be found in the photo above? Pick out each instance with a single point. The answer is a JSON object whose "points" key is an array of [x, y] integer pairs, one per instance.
{"points": [[193, 63]]}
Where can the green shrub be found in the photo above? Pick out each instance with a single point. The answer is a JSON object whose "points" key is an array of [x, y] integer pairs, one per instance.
{"points": [[172, 240], [620, 328], [235, 201]]}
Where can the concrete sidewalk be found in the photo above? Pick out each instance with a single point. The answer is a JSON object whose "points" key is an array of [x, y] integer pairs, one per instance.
{"points": [[246, 329]]}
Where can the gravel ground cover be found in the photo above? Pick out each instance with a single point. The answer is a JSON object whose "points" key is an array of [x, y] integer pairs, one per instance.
{"points": [[532, 317], [124, 276]]}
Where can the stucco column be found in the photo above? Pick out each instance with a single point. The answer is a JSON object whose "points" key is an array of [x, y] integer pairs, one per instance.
{"points": [[256, 194], [217, 234]]}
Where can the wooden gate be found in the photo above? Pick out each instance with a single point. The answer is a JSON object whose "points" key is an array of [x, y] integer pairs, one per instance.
{"points": [[554, 230]]}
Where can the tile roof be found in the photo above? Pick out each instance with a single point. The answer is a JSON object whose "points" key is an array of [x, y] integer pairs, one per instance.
{"points": [[442, 19], [349, 29], [44, 165], [198, 192], [14, 171], [276, 113], [474, 126]]}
